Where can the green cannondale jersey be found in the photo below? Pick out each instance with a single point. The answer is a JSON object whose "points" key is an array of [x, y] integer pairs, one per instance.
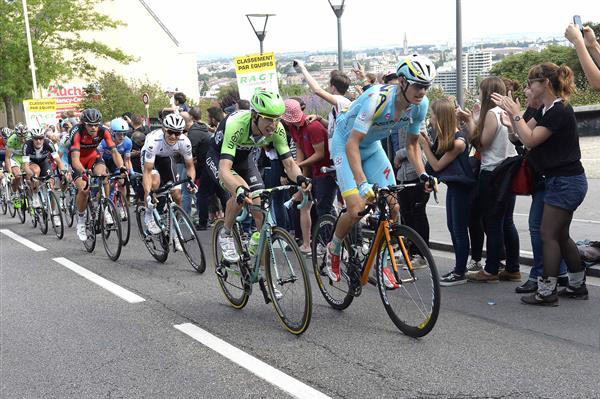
{"points": [[15, 144], [233, 137]]}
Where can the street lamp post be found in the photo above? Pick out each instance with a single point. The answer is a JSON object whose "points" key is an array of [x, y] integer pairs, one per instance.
{"points": [[260, 34], [338, 10], [459, 71], [31, 61]]}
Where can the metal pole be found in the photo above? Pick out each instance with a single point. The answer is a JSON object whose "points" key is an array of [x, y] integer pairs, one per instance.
{"points": [[340, 52], [31, 61], [459, 71], [261, 46]]}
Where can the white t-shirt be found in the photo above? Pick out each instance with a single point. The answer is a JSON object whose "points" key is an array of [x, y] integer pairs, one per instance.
{"points": [[500, 148], [155, 145], [341, 103]]}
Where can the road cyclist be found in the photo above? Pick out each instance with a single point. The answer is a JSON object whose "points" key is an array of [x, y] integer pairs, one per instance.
{"points": [[13, 159]]}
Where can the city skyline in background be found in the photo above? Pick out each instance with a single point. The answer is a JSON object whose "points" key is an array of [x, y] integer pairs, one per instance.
{"points": [[207, 29]]}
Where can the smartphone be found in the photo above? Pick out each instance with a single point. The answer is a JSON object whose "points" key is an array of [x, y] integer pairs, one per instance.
{"points": [[355, 65], [577, 21], [296, 66]]}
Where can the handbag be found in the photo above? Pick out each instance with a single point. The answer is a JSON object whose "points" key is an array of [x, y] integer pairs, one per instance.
{"points": [[523, 180]]}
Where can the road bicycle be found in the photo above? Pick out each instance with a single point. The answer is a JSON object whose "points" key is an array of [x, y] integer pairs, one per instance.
{"points": [[413, 303], [102, 217], [122, 204], [50, 207], [67, 195], [5, 202], [287, 283], [175, 224], [22, 203]]}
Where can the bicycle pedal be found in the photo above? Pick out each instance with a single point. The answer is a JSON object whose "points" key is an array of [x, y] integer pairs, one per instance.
{"points": [[221, 272]]}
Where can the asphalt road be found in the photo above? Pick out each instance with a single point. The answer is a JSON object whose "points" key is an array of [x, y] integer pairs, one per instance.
{"points": [[63, 336]]}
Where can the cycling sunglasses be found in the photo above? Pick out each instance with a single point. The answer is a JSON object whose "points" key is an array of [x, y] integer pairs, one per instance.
{"points": [[420, 86], [271, 119], [174, 132]]}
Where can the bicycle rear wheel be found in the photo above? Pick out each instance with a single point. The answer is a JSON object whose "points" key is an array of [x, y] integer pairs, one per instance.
{"points": [[111, 229], [337, 294], [55, 213], [12, 211], [4, 198], [413, 306], [229, 275], [90, 228], [188, 238], [42, 213], [124, 217], [285, 272], [157, 245]]}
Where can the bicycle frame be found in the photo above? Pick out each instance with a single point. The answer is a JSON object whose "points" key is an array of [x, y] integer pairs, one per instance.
{"points": [[171, 219], [266, 228]]}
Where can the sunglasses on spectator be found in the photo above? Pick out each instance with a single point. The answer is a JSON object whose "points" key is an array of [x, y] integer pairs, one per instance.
{"points": [[530, 81], [270, 119], [174, 133]]}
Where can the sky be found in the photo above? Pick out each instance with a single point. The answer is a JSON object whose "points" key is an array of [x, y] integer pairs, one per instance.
{"points": [[220, 28]]}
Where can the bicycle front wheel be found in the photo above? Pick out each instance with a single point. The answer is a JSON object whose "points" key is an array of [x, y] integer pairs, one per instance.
{"points": [[287, 281], [229, 274], [11, 206], [90, 228], [42, 213], [157, 245], [337, 294], [4, 198], [56, 216], [111, 229], [68, 206], [414, 304], [188, 238], [123, 211]]}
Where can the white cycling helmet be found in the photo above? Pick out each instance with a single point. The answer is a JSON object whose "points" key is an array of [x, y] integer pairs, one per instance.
{"points": [[417, 69], [37, 133], [174, 122]]}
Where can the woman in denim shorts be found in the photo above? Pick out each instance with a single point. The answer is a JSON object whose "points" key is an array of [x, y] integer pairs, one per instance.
{"points": [[552, 136]]}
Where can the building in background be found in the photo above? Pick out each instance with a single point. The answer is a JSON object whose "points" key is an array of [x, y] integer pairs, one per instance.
{"points": [[159, 58], [476, 66]]}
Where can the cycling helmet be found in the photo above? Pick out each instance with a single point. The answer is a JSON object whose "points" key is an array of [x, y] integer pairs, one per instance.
{"points": [[21, 129], [6, 132], [36, 133], [267, 102], [174, 122], [91, 116], [417, 69], [118, 125]]}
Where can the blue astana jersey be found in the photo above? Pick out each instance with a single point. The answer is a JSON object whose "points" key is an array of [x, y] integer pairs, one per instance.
{"points": [[124, 148]]}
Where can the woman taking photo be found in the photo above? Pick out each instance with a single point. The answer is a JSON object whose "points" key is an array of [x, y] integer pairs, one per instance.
{"points": [[450, 153], [552, 136]]}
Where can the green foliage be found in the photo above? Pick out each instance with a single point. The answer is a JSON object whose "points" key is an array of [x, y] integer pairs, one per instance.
{"points": [[227, 90], [585, 96], [56, 28], [293, 90], [114, 95]]}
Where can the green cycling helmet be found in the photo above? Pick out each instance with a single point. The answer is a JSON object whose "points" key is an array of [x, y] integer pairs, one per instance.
{"points": [[267, 103]]}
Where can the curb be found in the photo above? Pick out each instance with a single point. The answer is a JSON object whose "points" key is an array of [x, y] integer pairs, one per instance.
{"points": [[525, 258]]}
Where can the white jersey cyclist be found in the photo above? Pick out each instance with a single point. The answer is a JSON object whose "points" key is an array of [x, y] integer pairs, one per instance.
{"points": [[158, 152]]}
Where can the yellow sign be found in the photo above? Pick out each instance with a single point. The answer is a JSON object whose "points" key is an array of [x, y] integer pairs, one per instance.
{"points": [[254, 63], [45, 105]]}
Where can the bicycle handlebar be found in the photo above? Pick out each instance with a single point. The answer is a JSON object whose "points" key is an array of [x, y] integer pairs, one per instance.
{"points": [[254, 194], [169, 186]]}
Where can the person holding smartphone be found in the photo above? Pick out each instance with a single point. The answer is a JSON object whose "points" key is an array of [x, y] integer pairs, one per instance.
{"points": [[587, 48]]}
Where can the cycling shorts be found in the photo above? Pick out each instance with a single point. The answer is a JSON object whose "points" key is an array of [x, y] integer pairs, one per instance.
{"points": [[375, 163], [44, 166], [243, 166], [165, 167], [90, 163]]}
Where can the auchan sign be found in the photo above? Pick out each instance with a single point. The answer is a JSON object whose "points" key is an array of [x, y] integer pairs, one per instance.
{"points": [[68, 96]]}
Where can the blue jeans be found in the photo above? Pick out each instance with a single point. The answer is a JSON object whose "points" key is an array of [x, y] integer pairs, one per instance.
{"points": [[324, 190], [458, 198], [535, 220], [186, 198], [279, 197]]}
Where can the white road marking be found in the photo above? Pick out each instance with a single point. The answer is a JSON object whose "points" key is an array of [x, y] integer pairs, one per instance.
{"points": [[21, 240], [589, 221], [101, 281], [268, 373]]}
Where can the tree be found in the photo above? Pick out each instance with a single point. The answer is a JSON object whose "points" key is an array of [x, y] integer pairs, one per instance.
{"points": [[204, 88], [56, 28], [114, 95]]}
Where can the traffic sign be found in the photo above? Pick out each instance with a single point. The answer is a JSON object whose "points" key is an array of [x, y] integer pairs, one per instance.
{"points": [[146, 99]]}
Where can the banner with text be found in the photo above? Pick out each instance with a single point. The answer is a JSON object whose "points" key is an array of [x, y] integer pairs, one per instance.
{"points": [[256, 70], [40, 113], [68, 97]]}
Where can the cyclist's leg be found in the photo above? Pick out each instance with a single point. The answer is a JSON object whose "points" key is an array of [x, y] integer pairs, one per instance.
{"points": [[249, 173], [35, 171], [378, 170], [15, 168], [99, 168]]}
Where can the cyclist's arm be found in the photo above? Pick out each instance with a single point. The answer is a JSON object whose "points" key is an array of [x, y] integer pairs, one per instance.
{"points": [[226, 177], [110, 145], [25, 161], [291, 168], [75, 154], [413, 150], [190, 169], [147, 177], [353, 155], [188, 158]]}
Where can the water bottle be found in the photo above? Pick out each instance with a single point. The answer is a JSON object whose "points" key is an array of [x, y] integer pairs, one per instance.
{"points": [[253, 244]]}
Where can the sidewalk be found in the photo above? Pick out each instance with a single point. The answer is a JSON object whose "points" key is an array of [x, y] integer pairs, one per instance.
{"points": [[585, 225]]}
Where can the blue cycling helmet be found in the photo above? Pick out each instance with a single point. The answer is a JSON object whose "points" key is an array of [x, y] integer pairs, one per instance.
{"points": [[119, 125]]}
